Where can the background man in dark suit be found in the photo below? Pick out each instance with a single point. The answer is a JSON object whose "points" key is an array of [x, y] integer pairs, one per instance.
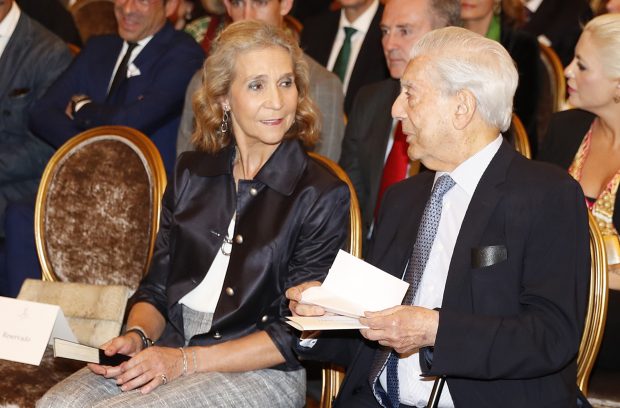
{"points": [[369, 136], [31, 58], [559, 22], [500, 264], [324, 35], [148, 96]]}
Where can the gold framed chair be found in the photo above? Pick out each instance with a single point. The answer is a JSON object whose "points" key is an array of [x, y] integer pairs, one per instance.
{"points": [[96, 219], [517, 136], [597, 308], [555, 72], [121, 170], [94, 17], [333, 375]]}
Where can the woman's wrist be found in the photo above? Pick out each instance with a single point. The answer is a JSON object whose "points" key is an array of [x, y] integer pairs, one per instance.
{"points": [[145, 341]]}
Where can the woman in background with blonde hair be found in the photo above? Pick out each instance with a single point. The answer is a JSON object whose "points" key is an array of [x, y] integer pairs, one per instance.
{"points": [[244, 217], [586, 142]]}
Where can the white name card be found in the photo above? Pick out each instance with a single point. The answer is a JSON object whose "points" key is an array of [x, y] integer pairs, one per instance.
{"points": [[26, 328]]}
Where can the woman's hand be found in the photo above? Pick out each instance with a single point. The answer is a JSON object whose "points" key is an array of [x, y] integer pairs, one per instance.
{"points": [[129, 344], [294, 296], [147, 370]]}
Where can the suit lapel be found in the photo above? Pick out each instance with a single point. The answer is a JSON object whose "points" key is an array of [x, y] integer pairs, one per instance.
{"points": [[488, 194], [369, 52], [401, 225], [379, 133]]}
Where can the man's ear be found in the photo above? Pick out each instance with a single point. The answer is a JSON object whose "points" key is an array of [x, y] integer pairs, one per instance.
{"points": [[285, 7], [464, 108]]}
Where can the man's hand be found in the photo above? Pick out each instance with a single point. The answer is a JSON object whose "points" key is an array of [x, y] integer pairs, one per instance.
{"points": [[294, 296], [402, 328]]}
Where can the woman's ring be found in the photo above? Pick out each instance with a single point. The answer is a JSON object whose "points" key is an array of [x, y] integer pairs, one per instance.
{"points": [[164, 379]]}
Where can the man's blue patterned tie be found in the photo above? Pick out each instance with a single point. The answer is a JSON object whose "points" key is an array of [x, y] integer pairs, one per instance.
{"points": [[419, 256]]}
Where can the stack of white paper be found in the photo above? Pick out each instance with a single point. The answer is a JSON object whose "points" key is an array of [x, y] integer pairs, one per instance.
{"points": [[351, 287]]}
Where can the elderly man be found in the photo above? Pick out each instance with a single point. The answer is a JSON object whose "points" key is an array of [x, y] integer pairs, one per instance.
{"points": [[324, 85], [374, 150], [495, 247], [136, 79]]}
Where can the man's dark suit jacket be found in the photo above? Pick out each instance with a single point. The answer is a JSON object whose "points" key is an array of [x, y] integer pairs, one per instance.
{"points": [[509, 332], [31, 62], [150, 102], [560, 21], [524, 50], [53, 16], [317, 39], [365, 142]]}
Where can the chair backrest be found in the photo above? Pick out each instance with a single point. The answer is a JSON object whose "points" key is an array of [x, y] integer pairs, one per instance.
{"points": [[332, 374], [597, 308], [94, 17], [555, 73], [517, 136], [97, 209], [552, 90]]}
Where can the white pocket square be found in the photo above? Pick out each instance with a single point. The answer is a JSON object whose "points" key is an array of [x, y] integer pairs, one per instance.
{"points": [[132, 71]]}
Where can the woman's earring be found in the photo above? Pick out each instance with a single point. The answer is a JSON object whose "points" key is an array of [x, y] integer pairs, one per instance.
{"points": [[225, 119], [497, 7]]}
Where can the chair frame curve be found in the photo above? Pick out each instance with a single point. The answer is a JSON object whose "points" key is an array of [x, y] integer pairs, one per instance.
{"points": [[333, 375], [596, 314], [521, 141], [554, 66], [139, 142]]}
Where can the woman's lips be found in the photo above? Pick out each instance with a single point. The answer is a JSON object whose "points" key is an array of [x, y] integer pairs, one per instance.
{"points": [[272, 122]]}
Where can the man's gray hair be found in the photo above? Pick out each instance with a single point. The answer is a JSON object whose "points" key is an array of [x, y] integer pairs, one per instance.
{"points": [[465, 60]]}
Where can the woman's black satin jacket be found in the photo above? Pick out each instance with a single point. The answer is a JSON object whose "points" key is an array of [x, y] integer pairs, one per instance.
{"points": [[291, 219]]}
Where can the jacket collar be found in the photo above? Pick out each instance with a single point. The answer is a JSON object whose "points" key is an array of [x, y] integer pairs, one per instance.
{"points": [[156, 46], [281, 172]]}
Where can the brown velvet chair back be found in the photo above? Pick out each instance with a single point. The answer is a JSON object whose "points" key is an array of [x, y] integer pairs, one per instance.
{"points": [[97, 209]]}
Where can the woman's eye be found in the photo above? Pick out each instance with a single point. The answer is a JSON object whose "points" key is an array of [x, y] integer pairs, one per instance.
{"points": [[287, 83], [581, 66], [255, 86]]}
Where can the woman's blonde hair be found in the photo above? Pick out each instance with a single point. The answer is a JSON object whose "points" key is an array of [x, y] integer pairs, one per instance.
{"points": [[218, 73], [605, 33]]}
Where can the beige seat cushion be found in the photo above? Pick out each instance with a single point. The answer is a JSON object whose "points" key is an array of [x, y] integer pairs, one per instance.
{"points": [[94, 312]]}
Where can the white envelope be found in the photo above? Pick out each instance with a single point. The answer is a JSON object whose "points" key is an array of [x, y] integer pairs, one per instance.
{"points": [[351, 288]]}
